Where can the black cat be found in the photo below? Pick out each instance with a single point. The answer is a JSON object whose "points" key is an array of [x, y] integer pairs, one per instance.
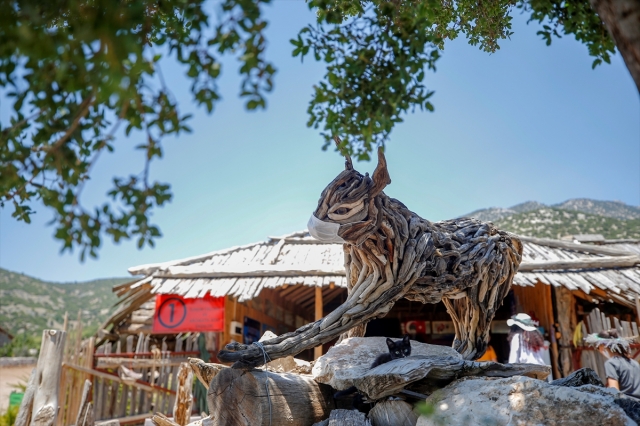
{"points": [[397, 349]]}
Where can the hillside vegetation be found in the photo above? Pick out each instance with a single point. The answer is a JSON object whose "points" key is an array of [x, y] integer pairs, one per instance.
{"points": [[556, 223], [612, 219], [30, 305]]}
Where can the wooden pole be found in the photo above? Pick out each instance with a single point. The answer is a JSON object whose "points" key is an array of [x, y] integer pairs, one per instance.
{"points": [[552, 331], [45, 401], [317, 351], [638, 308]]}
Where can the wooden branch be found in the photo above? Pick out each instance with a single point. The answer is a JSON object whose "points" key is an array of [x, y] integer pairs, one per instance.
{"points": [[205, 372], [598, 262]]}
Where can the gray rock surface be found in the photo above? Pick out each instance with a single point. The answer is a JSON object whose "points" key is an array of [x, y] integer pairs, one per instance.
{"points": [[522, 401], [352, 358]]}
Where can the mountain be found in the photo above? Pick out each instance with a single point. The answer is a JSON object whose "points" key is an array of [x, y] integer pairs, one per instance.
{"points": [[491, 214], [613, 209], [31, 305], [552, 222]]}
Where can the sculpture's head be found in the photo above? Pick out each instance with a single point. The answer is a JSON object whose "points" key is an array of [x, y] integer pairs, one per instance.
{"points": [[349, 208]]}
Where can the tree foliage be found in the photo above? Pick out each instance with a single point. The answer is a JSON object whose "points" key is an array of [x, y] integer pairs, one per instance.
{"points": [[78, 70]]}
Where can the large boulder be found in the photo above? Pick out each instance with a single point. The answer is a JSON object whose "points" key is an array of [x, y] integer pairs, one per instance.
{"points": [[522, 401], [352, 358]]}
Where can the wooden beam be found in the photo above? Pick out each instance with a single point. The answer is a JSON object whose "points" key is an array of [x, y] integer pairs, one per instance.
{"points": [[317, 351], [96, 373], [598, 262], [583, 248], [232, 271]]}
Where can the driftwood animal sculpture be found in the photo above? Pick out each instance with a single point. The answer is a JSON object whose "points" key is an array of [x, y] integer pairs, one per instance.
{"points": [[390, 253]]}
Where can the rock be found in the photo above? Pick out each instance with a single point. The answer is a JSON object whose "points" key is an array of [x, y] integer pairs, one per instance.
{"points": [[345, 418], [584, 376], [522, 401], [280, 365], [352, 358], [393, 413]]}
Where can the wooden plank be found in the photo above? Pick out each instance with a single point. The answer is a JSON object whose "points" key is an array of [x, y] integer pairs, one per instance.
{"points": [[85, 418], [317, 351], [109, 376]]}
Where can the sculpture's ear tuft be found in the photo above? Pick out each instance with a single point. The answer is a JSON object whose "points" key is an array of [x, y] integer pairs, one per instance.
{"points": [[380, 176], [348, 165]]}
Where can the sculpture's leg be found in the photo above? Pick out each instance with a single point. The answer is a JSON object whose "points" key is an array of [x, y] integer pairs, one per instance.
{"points": [[352, 314], [472, 315]]}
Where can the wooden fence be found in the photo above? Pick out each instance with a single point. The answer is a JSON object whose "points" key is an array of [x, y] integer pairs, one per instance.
{"points": [[128, 383], [595, 322]]}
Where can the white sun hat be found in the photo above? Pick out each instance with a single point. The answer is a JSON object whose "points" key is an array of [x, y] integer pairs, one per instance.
{"points": [[523, 321]]}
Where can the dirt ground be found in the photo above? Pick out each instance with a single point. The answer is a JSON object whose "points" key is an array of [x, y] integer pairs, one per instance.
{"points": [[8, 377]]}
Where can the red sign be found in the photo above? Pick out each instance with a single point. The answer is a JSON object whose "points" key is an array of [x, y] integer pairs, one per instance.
{"points": [[175, 314]]}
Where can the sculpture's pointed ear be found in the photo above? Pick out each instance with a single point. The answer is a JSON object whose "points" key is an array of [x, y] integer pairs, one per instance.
{"points": [[380, 176], [348, 165]]}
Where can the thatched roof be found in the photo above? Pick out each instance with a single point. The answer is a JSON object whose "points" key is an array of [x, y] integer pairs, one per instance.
{"points": [[298, 259]]}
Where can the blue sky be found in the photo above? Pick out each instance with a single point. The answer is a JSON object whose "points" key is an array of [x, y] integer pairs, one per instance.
{"points": [[529, 122]]}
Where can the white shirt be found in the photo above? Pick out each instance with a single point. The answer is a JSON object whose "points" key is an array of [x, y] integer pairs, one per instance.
{"points": [[522, 354]]}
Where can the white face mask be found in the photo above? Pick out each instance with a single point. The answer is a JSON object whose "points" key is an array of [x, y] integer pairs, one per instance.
{"points": [[327, 232]]}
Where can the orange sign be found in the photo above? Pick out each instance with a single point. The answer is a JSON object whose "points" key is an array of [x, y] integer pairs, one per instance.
{"points": [[175, 314]]}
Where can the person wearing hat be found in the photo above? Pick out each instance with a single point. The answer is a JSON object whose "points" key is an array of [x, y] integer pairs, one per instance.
{"points": [[526, 341], [623, 373]]}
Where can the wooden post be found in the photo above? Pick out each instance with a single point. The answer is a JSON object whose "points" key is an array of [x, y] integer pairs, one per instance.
{"points": [[638, 308], [85, 413], [552, 332], [45, 401], [317, 351], [565, 308], [184, 399], [26, 406]]}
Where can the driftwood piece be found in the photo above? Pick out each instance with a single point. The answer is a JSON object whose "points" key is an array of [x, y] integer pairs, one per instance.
{"points": [[345, 418], [393, 413], [435, 372], [391, 253], [184, 398], [205, 371], [584, 376], [160, 419], [26, 406], [85, 413], [255, 398], [45, 400], [112, 422]]}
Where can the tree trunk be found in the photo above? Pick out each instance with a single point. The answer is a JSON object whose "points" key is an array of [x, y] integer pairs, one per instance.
{"points": [[45, 401], [622, 19], [255, 398]]}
